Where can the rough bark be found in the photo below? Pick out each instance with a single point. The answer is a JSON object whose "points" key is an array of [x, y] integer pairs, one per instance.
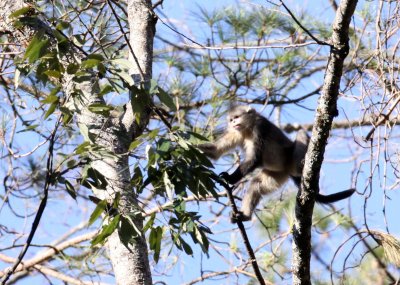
{"points": [[130, 263], [326, 111]]}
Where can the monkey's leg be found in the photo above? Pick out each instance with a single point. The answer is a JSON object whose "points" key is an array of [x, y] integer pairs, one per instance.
{"points": [[263, 183]]}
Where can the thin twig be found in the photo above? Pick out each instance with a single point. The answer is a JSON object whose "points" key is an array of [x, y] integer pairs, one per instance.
{"points": [[175, 30], [42, 206], [127, 41], [382, 118], [242, 230], [155, 5], [161, 116], [303, 28]]}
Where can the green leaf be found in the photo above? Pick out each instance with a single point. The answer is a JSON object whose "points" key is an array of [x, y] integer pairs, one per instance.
{"points": [[161, 94], [169, 187], [70, 189], [149, 223], [139, 100], [67, 115], [102, 69], [50, 99], [150, 155], [107, 89], [155, 242], [84, 131], [72, 164], [128, 231], [127, 78], [153, 86], [186, 247], [78, 40], [51, 109], [197, 136], [82, 148], [134, 144], [62, 25], [29, 128], [153, 133], [117, 198], [183, 143], [124, 63], [165, 146], [137, 178], [202, 239], [106, 231], [36, 48], [22, 11], [100, 208], [166, 99], [96, 56], [72, 68], [91, 178], [99, 108], [55, 90], [90, 63]]}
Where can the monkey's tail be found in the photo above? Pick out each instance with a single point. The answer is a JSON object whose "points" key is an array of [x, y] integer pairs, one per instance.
{"points": [[327, 199]]}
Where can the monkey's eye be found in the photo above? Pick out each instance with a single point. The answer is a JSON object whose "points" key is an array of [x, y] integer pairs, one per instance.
{"points": [[233, 118]]}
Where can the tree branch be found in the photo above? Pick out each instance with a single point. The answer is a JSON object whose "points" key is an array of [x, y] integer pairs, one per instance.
{"points": [[302, 27], [42, 206], [242, 230], [326, 111]]}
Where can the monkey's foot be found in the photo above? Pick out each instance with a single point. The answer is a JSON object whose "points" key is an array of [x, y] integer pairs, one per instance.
{"points": [[239, 216]]}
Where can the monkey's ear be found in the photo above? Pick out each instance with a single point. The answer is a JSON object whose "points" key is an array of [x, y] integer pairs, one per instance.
{"points": [[249, 109]]}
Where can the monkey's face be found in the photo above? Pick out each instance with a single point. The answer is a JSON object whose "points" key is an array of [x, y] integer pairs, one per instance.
{"points": [[241, 118], [235, 122]]}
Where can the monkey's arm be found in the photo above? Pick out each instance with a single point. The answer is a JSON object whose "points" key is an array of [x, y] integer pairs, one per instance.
{"points": [[239, 173], [227, 141], [210, 149], [246, 167]]}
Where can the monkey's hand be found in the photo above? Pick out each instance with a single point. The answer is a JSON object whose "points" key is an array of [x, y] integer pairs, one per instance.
{"points": [[232, 178], [239, 216], [209, 150], [227, 177]]}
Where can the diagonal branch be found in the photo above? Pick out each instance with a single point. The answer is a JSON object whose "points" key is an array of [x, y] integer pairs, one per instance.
{"points": [[42, 205], [242, 230], [302, 27], [326, 111]]}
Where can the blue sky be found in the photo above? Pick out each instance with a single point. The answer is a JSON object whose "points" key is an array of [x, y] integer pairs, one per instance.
{"points": [[60, 215]]}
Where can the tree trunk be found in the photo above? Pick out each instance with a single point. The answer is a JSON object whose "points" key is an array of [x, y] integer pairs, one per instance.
{"points": [[130, 262], [115, 133], [131, 265], [326, 111]]}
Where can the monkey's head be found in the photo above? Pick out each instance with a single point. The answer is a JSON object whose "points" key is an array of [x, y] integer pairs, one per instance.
{"points": [[241, 118]]}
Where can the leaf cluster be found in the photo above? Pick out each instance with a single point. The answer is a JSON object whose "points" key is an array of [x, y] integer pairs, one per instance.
{"points": [[174, 168]]}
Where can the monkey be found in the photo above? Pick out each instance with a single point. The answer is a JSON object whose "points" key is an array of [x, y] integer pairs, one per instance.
{"points": [[266, 148]]}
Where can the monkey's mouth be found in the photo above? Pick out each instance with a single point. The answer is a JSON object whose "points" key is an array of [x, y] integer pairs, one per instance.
{"points": [[238, 126]]}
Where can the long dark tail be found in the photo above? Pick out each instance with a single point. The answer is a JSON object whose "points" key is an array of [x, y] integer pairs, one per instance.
{"points": [[327, 199]]}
